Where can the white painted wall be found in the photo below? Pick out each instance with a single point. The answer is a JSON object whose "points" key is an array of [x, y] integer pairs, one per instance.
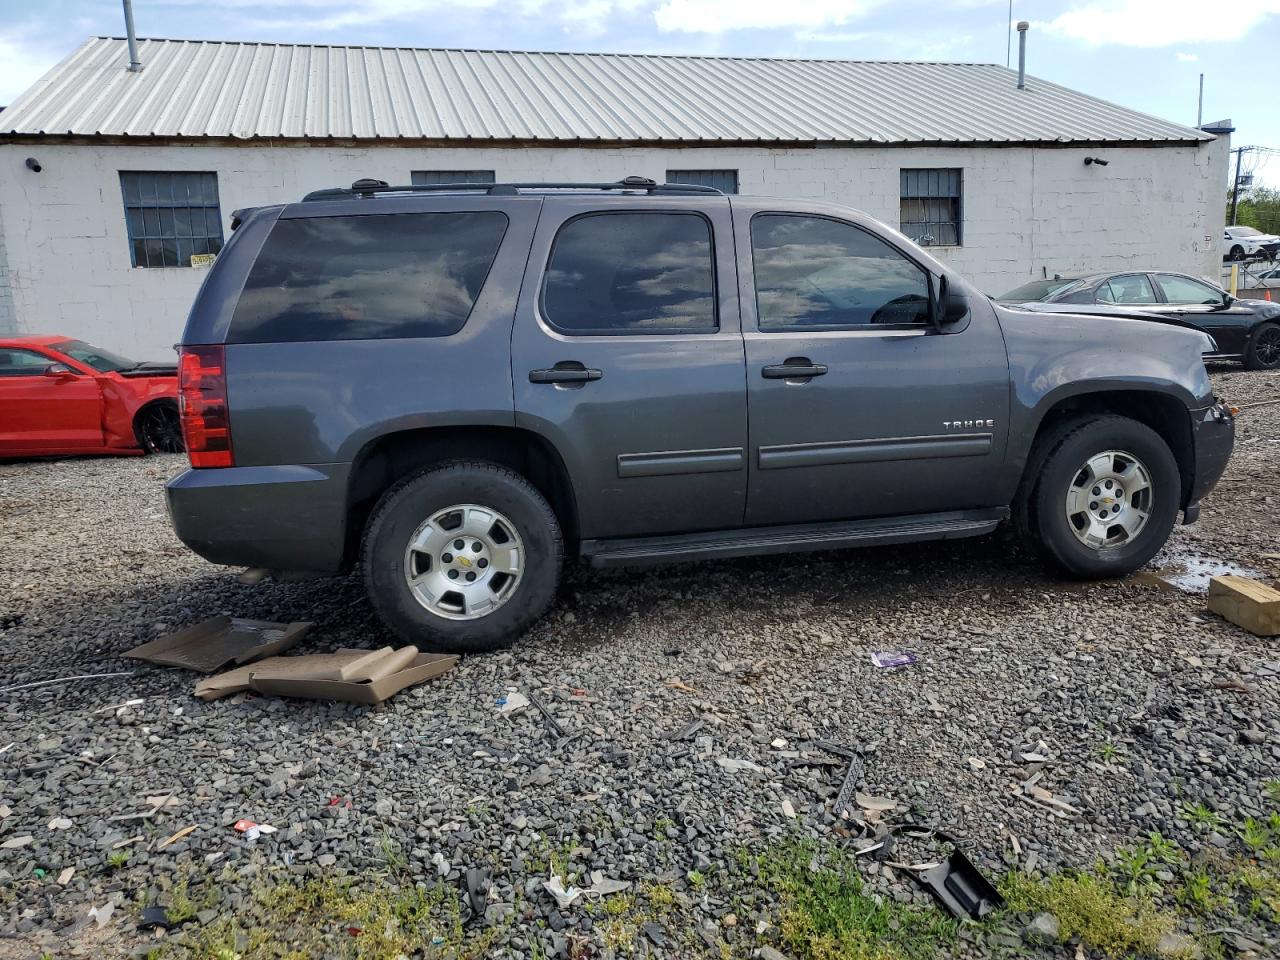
{"points": [[1026, 210]]}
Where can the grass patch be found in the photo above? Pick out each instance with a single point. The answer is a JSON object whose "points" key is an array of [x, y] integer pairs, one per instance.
{"points": [[373, 920], [1090, 907], [828, 915]]}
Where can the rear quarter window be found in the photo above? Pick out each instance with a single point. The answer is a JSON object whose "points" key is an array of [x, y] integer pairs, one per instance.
{"points": [[381, 276]]}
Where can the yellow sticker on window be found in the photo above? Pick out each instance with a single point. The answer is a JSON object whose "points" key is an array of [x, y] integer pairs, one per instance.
{"points": [[202, 259]]}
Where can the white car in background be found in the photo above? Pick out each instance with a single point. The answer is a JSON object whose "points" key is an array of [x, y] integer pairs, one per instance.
{"points": [[1244, 243], [1269, 280]]}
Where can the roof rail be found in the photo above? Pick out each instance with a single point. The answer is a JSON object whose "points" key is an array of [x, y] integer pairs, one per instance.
{"points": [[373, 188]]}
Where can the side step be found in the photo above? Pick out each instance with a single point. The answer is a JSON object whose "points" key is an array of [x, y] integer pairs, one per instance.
{"points": [[793, 538]]}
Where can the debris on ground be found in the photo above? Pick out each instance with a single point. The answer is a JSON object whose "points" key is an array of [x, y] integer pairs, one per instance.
{"points": [[185, 831], [892, 659], [354, 676], [154, 918], [220, 641], [100, 915], [1246, 603], [513, 701], [65, 876], [735, 765]]}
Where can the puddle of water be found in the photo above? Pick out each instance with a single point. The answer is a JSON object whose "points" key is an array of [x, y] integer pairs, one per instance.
{"points": [[1192, 574]]}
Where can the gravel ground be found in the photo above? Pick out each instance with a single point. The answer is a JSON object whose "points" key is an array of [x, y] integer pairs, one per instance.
{"points": [[1113, 685]]}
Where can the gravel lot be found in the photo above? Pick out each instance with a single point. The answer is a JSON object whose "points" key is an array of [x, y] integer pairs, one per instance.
{"points": [[1113, 683]]}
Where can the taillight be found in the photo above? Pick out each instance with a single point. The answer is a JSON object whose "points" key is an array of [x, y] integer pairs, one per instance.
{"points": [[202, 387]]}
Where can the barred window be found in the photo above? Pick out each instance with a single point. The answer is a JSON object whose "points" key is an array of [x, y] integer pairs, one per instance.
{"points": [[726, 181], [171, 217], [931, 208], [425, 177]]}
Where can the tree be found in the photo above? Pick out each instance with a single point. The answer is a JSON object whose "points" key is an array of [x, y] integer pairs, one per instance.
{"points": [[1259, 208]]}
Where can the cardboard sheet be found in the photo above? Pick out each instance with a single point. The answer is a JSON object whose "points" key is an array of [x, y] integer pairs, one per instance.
{"points": [[424, 666], [219, 642]]}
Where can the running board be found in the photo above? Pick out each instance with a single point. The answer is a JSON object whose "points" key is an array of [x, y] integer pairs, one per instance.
{"points": [[794, 538]]}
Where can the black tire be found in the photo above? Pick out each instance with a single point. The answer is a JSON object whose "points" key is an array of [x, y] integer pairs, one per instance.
{"points": [[159, 428], [1040, 512], [416, 498], [1264, 348], [1237, 253]]}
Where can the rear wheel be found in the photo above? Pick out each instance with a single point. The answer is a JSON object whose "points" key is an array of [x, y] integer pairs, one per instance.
{"points": [[1237, 253], [1264, 348], [1105, 499], [158, 429], [462, 557]]}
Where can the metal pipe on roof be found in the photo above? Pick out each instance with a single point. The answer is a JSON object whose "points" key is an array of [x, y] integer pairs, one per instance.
{"points": [[134, 63], [1023, 27]]}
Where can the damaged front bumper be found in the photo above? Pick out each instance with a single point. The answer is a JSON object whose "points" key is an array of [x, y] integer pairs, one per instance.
{"points": [[1213, 435]]}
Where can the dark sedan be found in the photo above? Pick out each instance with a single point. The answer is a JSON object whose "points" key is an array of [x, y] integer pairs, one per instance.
{"points": [[1245, 330]]}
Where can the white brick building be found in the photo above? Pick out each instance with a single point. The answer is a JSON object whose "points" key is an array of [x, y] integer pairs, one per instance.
{"points": [[98, 243]]}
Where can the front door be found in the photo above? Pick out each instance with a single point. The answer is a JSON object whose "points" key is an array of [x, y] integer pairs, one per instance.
{"points": [[858, 406], [627, 356], [42, 412], [1204, 306]]}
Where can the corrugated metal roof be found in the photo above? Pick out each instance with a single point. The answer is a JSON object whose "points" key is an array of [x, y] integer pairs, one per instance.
{"points": [[193, 89]]}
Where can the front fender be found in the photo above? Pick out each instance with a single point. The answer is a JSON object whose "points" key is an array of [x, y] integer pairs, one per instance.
{"points": [[1056, 357]]}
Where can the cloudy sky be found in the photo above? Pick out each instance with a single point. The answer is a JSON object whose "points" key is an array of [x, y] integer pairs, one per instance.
{"points": [[1144, 54]]}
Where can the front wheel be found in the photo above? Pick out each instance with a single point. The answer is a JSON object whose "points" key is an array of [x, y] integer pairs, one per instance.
{"points": [[1264, 348], [1106, 498], [159, 429], [462, 557], [1237, 253]]}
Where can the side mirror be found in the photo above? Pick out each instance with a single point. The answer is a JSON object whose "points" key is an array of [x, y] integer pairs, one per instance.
{"points": [[947, 308], [59, 371]]}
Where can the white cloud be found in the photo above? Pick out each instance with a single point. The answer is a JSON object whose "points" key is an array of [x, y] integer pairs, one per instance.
{"points": [[24, 58], [720, 16], [1159, 23], [1187, 57]]}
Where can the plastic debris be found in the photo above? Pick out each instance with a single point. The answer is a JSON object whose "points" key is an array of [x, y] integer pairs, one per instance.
{"points": [[100, 915], [879, 804], [512, 702], [564, 896], [734, 765], [892, 659], [976, 764], [153, 917]]}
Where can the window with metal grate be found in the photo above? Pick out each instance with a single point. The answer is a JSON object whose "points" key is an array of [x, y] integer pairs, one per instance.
{"points": [[171, 217], [420, 178], [931, 206], [726, 181]]}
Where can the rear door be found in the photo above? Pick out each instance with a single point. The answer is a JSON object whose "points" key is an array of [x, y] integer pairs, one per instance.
{"points": [[1202, 304], [43, 413], [858, 406], [627, 355]]}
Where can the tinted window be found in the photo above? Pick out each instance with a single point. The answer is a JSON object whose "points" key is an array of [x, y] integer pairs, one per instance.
{"points": [[1134, 288], [367, 278], [1038, 290], [1185, 290], [104, 361], [22, 363], [631, 273], [813, 272]]}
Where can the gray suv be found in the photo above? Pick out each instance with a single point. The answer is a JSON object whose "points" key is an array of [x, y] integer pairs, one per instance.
{"points": [[454, 386]]}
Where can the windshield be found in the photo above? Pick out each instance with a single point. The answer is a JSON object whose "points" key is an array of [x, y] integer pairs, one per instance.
{"points": [[1039, 290], [104, 361], [1244, 232]]}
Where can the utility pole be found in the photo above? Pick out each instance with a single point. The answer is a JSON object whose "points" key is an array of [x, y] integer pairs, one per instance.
{"points": [[1008, 37], [1200, 104], [1235, 183]]}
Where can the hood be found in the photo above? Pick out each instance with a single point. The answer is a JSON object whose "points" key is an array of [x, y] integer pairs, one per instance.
{"points": [[1122, 328], [1146, 315], [152, 369]]}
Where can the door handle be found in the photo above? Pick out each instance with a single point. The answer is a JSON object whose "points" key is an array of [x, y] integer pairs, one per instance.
{"points": [[566, 371], [793, 368]]}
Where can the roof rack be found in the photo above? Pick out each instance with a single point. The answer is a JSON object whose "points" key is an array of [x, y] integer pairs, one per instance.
{"points": [[373, 188]]}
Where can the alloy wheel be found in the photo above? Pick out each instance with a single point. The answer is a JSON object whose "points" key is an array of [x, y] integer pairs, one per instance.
{"points": [[160, 429], [464, 562], [1109, 500], [1267, 348]]}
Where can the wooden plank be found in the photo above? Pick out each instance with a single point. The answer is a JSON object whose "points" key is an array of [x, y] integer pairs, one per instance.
{"points": [[1246, 603]]}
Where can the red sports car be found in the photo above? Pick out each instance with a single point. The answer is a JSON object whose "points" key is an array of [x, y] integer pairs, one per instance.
{"points": [[62, 396]]}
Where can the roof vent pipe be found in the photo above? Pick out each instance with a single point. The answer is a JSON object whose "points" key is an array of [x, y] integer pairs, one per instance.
{"points": [[134, 63], [1023, 27]]}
